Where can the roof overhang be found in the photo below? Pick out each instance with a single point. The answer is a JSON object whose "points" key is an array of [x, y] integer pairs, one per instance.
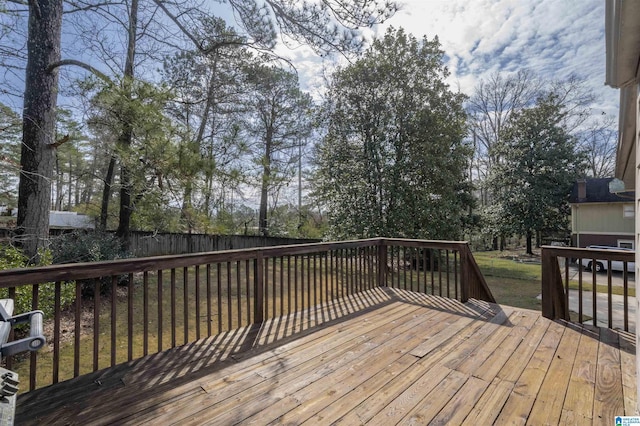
{"points": [[622, 29], [626, 151]]}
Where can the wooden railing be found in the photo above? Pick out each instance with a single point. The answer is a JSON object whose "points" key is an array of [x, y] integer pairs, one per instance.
{"points": [[146, 305], [572, 282]]}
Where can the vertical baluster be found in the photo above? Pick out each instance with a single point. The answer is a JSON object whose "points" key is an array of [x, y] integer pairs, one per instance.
{"points": [[566, 281], [114, 299], [432, 262], [56, 331], [130, 297], [609, 297], [76, 337], [289, 284], [209, 313], [229, 302], [185, 295], [439, 272], [160, 313], [315, 281], [145, 313], [455, 272], [295, 285], [248, 281], [448, 273], [625, 291], [219, 294], [281, 285], [174, 318], [239, 292], [96, 323], [580, 291], [273, 286], [197, 295], [412, 259], [594, 294]]}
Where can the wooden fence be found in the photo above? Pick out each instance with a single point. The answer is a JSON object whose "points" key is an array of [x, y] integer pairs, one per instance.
{"points": [[143, 244], [150, 304]]}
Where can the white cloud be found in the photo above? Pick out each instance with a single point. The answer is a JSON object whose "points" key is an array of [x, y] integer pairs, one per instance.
{"points": [[553, 38]]}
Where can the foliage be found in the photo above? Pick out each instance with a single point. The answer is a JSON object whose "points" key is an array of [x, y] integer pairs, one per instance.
{"points": [[393, 161], [540, 161], [86, 246], [10, 258]]}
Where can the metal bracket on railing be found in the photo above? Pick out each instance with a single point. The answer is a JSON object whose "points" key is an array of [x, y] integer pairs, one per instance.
{"points": [[33, 342]]}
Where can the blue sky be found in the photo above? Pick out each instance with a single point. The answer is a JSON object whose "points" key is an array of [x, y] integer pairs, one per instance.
{"points": [[552, 38]]}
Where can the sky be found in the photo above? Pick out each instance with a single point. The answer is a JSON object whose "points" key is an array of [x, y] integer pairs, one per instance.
{"points": [[552, 38]]}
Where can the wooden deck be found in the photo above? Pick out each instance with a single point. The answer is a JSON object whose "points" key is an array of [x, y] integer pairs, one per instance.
{"points": [[383, 357]]}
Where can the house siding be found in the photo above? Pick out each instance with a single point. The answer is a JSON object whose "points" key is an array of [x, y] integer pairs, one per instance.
{"points": [[607, 218]]}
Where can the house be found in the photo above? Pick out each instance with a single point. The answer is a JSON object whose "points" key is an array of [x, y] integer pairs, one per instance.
{"points": [[600, 216], [622, 30]]}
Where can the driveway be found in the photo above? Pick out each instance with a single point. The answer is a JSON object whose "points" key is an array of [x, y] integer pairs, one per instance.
{"points": [[617, 307], [601, 277]]}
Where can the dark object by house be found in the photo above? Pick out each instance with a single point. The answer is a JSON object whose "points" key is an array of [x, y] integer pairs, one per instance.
{"points": [[596, 190]]}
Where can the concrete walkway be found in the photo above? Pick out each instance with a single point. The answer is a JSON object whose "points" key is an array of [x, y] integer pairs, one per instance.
{"points": [[617, 304], [617, 307]]}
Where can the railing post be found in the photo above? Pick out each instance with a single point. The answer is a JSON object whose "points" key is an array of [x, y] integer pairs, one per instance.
{"points": [[382, 264], [258, 288], [465, 274], [554, 304]]}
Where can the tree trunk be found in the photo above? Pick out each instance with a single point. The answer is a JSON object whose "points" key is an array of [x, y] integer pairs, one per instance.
{"points": [[126, 137], [38, 126], [263, 222], [529, 242], [106, 194]]}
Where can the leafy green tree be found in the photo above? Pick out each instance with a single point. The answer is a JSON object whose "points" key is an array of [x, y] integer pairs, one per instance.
{"points": [[539, 163], [393, 161]]}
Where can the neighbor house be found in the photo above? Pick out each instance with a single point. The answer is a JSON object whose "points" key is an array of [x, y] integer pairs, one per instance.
{"points": [[600, 216]]}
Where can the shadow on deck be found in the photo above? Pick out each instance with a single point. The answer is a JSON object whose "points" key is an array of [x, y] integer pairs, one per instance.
{"points": [[383, 356]]}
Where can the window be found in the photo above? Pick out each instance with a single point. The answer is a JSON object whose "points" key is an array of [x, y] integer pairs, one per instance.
{"points": [[628, 211], [625, 244]]}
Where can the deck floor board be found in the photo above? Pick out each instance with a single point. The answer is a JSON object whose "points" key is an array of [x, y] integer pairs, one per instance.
{"points": [[384, 356]]}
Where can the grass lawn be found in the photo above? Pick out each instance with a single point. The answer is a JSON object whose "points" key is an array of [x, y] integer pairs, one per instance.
{"points": [[512, 283]]}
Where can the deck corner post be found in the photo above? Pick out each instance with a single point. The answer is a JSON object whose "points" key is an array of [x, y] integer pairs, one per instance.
{"points": [[258, 288], [382, 264], [465, 274], [554, 304]]}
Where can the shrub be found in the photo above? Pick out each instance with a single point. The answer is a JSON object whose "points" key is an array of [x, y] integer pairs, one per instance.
{"points": [[92, 246], [83, 246], [11, 257]]}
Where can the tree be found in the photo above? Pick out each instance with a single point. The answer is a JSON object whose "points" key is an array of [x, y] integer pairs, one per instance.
{"points": [[599, 141], [539, 162], [319, 24], [393, 161], [281, 123], [38, 128], [490, 109]]}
